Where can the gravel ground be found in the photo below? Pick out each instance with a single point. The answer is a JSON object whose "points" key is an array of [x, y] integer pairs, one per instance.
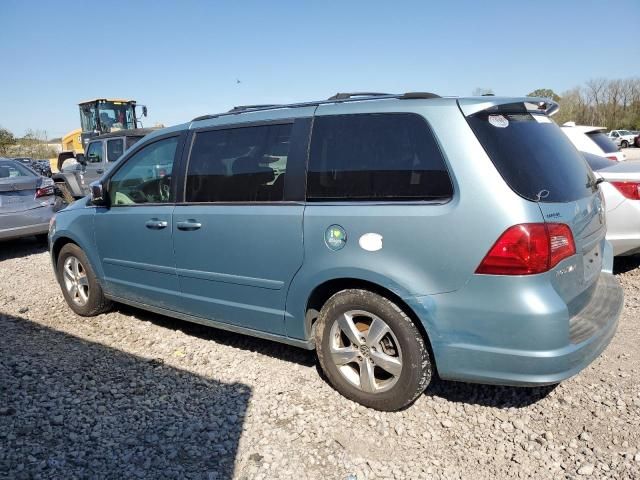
{"points": [[135, 395]]}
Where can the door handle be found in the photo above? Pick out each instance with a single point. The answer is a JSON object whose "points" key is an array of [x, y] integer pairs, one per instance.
{"points": [[100, 170], [189, 225], [155, 224]]}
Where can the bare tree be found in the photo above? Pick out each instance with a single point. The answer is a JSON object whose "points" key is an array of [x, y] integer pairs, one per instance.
{"points": [[608, 103]]}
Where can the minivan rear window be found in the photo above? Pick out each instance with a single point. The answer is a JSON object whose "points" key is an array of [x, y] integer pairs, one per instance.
{"points": [[533, 156], [389, 156], [603, 142]]}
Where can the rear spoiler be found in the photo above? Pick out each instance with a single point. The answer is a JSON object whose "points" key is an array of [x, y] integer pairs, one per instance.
{"points": [[472, 105]]}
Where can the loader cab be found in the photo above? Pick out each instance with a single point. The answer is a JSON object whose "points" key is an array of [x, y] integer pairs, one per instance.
{"points": [[100, 116]]}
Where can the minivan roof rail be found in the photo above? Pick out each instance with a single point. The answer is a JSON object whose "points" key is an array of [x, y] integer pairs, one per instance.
{"points": [[242, 108], [337, 98], [345, 96], [418, 95]]}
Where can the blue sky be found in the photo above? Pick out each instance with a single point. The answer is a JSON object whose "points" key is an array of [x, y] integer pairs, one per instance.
{"points": [[182, 59]]}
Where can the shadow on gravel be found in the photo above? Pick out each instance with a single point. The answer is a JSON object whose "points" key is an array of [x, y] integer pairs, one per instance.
{"points": [[625, 264], [488, 395], [70, 408], [21, 247], [273, 349]]}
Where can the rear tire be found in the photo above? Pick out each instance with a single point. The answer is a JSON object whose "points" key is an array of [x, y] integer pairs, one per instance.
{"points": [[371, 351], [79, 284]]}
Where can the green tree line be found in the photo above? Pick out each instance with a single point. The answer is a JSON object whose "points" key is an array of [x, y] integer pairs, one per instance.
{"points": [[34, 144]]}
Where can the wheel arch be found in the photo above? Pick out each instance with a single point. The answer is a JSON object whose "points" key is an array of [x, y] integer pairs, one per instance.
{"points": [[325, 290], [63, 239]]}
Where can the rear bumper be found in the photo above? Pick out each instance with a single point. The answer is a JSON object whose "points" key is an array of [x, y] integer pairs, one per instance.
{"points": [[522, 341], [623, 228], [18, 232], [25, 223]]}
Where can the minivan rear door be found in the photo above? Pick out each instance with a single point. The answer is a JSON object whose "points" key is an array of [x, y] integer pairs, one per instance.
{"points": [[540, 164]]}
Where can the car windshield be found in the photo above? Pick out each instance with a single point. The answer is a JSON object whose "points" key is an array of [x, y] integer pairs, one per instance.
{"points": [[625, 132], [111, 115], [9, 170], [533, 156], [603, 141]]}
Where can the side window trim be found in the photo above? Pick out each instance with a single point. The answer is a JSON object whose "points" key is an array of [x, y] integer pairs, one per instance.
{"points": [[297, 134], [177, 164]]}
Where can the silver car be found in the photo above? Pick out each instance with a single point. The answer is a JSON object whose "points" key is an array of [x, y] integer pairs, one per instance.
{"points": [[621, 189], [27, 201]]}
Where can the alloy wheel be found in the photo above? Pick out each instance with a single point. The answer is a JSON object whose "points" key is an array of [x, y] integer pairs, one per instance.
{"points": [[75, 281], [366, 351]]}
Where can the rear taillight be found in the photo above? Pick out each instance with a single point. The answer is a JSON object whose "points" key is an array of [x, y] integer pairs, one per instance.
{"points": [[628, 189], [612, 158], [528, 248], [44, 191]]}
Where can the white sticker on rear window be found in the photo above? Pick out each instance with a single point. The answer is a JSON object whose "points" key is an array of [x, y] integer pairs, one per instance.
{"points": [[542, 119], [498, 121]]}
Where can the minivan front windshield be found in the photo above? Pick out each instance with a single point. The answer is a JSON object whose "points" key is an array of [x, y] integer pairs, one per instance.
{"points": [[533, 156]]}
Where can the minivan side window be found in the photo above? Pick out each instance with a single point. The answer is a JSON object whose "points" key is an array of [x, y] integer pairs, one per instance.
{"points": [[245, 164], [146, 176], [114, 149], [389, 156], [94, 152]]}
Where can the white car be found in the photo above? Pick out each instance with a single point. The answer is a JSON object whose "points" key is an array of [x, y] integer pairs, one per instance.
{"points": [[592, 140], [621, 190], [622, 138]]}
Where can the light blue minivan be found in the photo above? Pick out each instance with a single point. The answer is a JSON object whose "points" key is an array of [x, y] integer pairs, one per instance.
{"points": [[399, 236]]}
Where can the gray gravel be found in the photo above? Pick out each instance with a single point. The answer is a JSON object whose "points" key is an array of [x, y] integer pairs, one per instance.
{"points": [[134, 395]]}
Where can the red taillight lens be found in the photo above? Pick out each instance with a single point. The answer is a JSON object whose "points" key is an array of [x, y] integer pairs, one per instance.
{"points": [[44, 191], [561, 243], [528, 248], [612, 158], [628, 189]]}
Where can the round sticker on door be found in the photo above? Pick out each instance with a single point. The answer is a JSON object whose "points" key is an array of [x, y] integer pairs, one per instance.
{"points": [[371, 242], [498, 121], [335, 237]]}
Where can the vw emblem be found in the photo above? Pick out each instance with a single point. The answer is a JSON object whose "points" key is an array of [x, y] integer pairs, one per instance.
{"points": [[14, 187]]}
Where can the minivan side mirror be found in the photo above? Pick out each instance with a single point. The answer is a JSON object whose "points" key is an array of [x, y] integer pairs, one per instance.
{"points": [[98, 193]]}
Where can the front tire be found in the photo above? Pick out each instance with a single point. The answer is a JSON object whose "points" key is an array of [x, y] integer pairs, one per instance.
{"points": [[371, 351], [79, 284], [624, 144]]}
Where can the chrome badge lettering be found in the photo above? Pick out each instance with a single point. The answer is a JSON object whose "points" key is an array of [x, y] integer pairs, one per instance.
{"points": [[565, 270]]}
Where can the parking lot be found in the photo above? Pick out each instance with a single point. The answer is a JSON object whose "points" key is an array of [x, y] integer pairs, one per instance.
{"points": [[130, 394], [632, 153]]}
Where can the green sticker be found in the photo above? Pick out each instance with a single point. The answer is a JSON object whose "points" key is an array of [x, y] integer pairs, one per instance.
{"points": [[335, 237]]}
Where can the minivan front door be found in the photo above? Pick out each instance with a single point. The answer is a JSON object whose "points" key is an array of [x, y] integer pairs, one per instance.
{"points": [[134, 234], [238, 237]]}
